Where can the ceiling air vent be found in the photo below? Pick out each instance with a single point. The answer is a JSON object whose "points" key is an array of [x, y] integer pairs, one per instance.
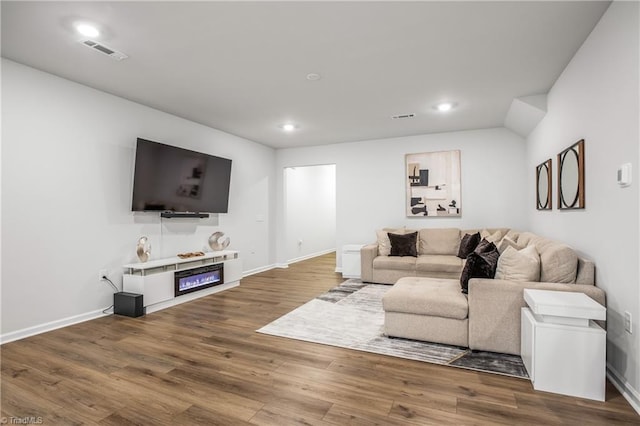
{"points": [[114, 54], [403, 116]]}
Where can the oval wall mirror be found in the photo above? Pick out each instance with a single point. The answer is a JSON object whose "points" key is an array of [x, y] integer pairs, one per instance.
{"points": [[543, 186], [571, 177]]}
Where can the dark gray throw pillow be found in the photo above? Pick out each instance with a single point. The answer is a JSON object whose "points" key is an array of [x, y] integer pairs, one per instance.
{"points": [[483, 246], [468, 244], [480, 264], [403, 244]]}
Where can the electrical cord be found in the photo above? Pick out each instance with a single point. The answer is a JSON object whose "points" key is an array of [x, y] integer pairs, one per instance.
{"points": [[104, 277]]}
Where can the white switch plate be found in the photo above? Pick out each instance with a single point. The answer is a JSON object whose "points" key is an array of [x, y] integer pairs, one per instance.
{"points": [[624, 175]]}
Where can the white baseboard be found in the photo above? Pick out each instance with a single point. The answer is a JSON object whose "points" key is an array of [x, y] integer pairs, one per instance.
{"points": [[258, 270], [310, 256], [339, 269], [49, 326], [629, 393]]}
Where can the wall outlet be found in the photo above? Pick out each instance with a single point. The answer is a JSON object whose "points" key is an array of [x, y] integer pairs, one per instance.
{"points": [[628, 323], [102, 273]]}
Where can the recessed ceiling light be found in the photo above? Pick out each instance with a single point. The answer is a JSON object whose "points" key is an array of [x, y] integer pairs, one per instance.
{"points": [[87, 30], [444, 106], [288, 127], [313, 76]]}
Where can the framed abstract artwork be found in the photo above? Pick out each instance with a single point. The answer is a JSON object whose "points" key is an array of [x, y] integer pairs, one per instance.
{"points": [[433, 184]]}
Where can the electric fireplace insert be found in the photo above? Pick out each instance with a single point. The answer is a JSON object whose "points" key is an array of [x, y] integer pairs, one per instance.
{"points": [[196, 279]]}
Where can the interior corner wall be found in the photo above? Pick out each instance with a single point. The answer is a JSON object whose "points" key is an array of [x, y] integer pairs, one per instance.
{"points": [[310, 211], [371, 191], [597, 99], [67, 163]]}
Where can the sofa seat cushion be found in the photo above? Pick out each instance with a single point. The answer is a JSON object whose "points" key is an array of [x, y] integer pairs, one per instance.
{"points": [[427, 296], [405, 263], [438, 263]]}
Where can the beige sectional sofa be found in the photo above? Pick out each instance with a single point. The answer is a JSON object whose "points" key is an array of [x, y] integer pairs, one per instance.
{"points": [[492, 321], [437, 255]]}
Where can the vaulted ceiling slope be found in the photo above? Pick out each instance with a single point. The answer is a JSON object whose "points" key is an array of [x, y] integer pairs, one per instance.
{"points": [[242, 67]]}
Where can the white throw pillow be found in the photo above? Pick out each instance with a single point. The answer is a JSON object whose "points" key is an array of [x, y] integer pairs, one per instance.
{"points": [[519, 265], [507, 242], [492, 238]]}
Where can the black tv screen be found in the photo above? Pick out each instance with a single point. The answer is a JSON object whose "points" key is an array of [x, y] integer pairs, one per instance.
{"points": [[168, 178]]}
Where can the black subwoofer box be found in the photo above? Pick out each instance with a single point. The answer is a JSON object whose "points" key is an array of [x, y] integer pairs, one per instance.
{"points": [[128, 304]]}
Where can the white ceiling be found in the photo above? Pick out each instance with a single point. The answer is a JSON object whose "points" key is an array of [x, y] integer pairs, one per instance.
{"points": [[241, 66]]}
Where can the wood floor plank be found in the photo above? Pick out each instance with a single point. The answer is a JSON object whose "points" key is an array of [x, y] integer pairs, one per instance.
{"points": [[187, 392], [425, 415], [278, 416], [431, 379], [208, 415], [20, 402], [202, 362], [569, 410], [342, 415], [86, 404]]}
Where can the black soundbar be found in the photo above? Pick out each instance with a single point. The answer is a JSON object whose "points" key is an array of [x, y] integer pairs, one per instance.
{"points": [[184, 214]]}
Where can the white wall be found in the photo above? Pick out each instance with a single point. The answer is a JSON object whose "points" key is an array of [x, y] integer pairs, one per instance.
{"points": [[67, 162], [371, 184], [310, 211], [596, 98]]}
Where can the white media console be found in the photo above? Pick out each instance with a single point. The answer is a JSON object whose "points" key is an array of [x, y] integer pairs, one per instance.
{"points": [[155, 279]]}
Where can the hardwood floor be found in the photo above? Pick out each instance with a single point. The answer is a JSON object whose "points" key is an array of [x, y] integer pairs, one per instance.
{"points": [[203, 363]]}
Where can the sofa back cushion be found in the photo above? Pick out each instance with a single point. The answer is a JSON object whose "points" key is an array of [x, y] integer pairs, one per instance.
{"points": [[558, 261], [586, 272], [439, 241]]}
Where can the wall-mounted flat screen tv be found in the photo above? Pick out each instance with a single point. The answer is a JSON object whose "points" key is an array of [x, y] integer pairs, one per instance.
{"points": [[171, 179]]}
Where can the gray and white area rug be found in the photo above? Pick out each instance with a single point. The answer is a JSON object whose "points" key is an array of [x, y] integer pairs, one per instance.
{"points": [[351, 316]]}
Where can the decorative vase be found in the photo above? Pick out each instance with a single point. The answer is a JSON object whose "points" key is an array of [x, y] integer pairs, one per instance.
{"points": [[143, 249], [217, 241]]}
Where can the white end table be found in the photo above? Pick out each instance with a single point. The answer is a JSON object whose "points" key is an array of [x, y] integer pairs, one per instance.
{"points": [[563, 350]]}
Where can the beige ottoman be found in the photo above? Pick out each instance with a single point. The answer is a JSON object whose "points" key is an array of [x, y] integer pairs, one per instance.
{"points": [[429, 309]]}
